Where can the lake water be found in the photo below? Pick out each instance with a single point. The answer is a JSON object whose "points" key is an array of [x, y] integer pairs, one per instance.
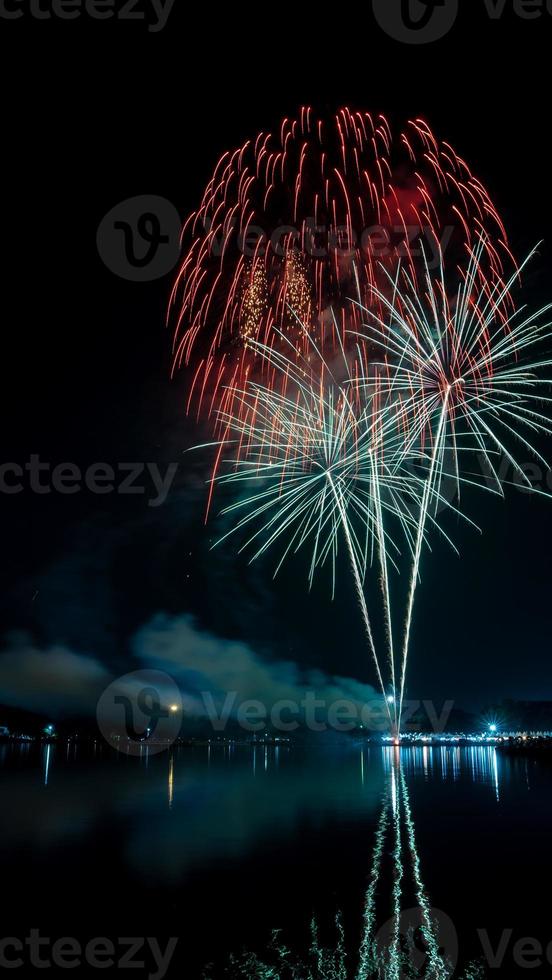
{"points": [[219, 846]]}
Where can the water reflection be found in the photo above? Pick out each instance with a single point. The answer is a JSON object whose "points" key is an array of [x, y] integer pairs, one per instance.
{"points": [[171, 780], [321, 828], [47, 754], [416, 941], [481, 762], [393, 951]]}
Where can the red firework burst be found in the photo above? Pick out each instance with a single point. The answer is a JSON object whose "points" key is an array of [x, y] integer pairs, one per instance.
{"points": [[294, 224]]}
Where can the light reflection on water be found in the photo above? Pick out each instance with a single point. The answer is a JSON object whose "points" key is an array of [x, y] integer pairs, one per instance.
{"points": [[483, 764], [297, 824], [232, 794]]}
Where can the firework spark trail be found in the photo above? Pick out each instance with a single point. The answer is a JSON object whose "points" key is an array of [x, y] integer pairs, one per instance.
{"points": [[437, 966], [382, 553], [325, 458], [304, 496], [467, 371], [384, 581], [373, 957], [394, 965], [429, 485], [321, 460], [366, 953], [358, 584]]}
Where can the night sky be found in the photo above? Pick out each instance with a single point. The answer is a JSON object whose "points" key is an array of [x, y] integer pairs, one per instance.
{"points": [[109, 111]]}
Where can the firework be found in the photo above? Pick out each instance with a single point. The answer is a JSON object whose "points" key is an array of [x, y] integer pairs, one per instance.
{"points": [[287, 218], [323, 461], [336, 419], [470, 381]]}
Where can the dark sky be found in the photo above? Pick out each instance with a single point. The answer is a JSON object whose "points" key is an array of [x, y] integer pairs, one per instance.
{"points": [[97, 112]]}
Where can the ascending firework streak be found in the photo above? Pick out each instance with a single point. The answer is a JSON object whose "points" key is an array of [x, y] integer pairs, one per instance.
{"points": [[466, 373], [317, 456]]}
